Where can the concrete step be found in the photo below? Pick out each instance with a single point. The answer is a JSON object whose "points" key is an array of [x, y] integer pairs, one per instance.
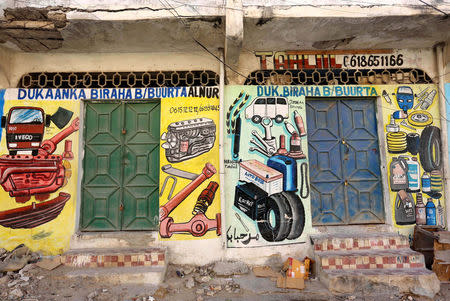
{"points": [[142, 275], [359, 241], [418, 281], [128, 239], [370, 259], [146, 266], [114, 258]]}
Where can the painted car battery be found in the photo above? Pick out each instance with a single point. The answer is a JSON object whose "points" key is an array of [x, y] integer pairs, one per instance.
{"points": [[266, 178], [249, 198], [288, 167]]}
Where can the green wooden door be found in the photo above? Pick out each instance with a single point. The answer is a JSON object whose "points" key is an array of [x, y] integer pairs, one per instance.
{"points": [[121, 164]]}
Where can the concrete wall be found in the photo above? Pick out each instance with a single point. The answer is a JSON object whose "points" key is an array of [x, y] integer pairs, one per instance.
{"points": [[20, 63]]}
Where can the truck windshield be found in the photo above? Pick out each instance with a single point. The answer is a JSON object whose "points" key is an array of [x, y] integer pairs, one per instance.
{"points": [[19, 116]]}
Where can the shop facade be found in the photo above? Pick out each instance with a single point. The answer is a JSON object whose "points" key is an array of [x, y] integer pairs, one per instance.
{"points": [[243, 153]]}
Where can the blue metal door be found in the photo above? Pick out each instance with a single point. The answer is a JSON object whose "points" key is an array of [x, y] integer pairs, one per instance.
{"points": [[344, 162]]}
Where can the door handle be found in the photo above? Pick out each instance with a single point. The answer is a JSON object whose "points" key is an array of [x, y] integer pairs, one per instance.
{"points": [[121, 207], [346, 148]]}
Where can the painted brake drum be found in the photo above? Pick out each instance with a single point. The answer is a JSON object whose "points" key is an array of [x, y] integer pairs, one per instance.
{"points": [[420, 118]]}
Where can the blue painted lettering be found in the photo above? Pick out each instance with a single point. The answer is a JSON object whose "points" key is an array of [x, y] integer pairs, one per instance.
{"points": [[49, 94], [21, 94], [94, 94], [58, 94], [138, 93]]}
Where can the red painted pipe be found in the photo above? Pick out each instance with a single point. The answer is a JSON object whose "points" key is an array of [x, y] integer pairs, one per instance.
{"points": [[197, 226], [207, 172]]}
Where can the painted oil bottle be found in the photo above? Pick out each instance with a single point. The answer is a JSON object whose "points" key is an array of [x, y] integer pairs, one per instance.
{"points": [[421, 216], [413, 174], [426, 182], [440, 215], [431, 212]]}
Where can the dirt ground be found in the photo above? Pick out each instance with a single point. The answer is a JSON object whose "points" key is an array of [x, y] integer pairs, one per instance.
{"points": [[25, 276], [182, 283]]}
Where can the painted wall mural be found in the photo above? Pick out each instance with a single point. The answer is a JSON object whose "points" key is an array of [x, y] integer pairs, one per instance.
{"points": [[38, 171], [189, 161], [414, 155], [266, 167], [39, 159]]}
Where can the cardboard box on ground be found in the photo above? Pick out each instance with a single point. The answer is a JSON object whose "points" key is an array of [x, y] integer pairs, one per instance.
{"points": [[292, 274]]}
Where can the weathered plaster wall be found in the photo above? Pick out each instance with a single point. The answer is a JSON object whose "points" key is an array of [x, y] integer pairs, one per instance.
{"points": [[22, 63], [5, 68], [151, 25], [250, 60]]}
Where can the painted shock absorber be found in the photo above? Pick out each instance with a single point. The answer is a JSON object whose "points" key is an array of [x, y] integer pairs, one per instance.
{"points": [[205, 198], [207, 172]]}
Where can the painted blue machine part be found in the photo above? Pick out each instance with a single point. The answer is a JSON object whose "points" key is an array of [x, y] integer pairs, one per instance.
{"points": [[405, 98], [288, 167]]}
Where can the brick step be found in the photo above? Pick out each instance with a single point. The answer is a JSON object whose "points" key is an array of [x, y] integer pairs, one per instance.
{"points": [[359, 241], [370, 259], [379, 272], [418, 281], [114, 258]]}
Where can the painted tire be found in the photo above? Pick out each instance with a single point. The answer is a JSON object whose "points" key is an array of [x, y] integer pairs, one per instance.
{"points": [[279, 119], [256, 119], [283, 218], [298, 214], [430, 150]]}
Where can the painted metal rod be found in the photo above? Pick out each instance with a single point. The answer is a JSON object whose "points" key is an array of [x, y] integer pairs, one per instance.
{"points": [[207, 172]]}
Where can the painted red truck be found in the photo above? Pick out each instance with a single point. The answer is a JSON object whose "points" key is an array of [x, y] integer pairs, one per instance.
{"points": [[25, 129]]}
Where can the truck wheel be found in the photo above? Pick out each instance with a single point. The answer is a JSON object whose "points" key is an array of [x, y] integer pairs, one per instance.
{"points": [[430, 148], [256, 119], [275, 219], [279, 119], [298, 214]]}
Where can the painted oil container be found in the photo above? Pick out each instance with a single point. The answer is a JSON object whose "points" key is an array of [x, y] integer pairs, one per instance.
{"points": [[288, 167], [399, 174], [405, 212]]}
